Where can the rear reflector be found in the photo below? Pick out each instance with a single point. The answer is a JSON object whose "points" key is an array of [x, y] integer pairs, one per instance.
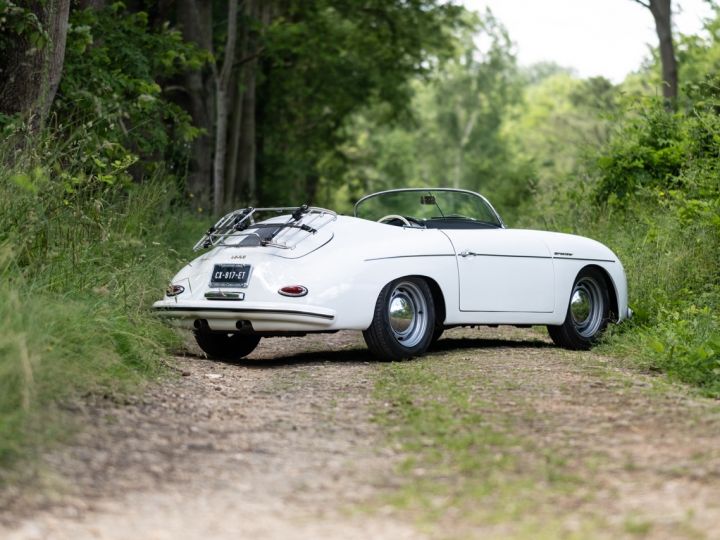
{"points": [[293, 290]]}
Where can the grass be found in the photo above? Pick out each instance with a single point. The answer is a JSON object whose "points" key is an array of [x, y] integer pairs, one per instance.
{"points": [[477, 458], [671, 262], [462, 456], [673, 283], [78, 272]]}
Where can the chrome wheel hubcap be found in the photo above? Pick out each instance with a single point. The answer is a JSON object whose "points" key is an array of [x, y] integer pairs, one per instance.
{"points": [[407, 313], [587, 307]]}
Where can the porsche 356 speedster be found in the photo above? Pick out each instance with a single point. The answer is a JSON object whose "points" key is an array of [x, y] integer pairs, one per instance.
{"points": [[407, 265]]}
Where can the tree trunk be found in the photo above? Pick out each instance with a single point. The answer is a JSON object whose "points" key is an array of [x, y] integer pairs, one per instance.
{"points": [[221, 122], [247, 156], [248, 150], [662, 13], [238, 88], [231, 163], [195, 18], [222, 105], [29, 75]]}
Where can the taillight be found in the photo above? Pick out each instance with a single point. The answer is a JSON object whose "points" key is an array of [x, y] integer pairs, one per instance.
{"points": [[293, 290], [174, 290]]}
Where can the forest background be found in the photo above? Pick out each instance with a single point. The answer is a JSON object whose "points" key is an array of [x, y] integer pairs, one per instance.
{"points": [[127, 127]]}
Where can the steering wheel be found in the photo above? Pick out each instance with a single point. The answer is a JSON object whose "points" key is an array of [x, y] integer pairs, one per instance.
{"points": [[394, 216]]}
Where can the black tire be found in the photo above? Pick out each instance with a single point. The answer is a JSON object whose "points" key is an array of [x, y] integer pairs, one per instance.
{"points": [[588, 312], [409, 331], [437, 333], [222, 346]]}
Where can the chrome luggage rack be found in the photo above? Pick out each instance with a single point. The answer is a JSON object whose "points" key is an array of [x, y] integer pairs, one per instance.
{"points": [[231, 229]]}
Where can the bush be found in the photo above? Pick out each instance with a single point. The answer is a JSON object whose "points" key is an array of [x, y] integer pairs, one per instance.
{"points": [[652, 194], [111, 110], [88, 221], [78, 273], [686, 344]]}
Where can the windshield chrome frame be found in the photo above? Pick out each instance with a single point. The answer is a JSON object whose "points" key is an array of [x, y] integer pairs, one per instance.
{"points": [[458, 190]]}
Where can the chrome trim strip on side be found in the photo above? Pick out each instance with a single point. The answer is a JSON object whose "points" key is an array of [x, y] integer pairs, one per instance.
{"points": [[410, 256], [490, 255], [581, 259], [246, 310], [508, 256]]}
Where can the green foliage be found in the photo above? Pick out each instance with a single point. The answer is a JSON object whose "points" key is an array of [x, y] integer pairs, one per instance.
{"points": [[648, 151], [111, 110], [560, 118], [327, 60], [84, 249], [17, 21], [455, 135], [77, 274], [651, 192], [685, 343]]}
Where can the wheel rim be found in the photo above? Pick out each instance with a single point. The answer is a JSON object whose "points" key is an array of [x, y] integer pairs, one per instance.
{"points": [[407, 313], [587, 307]]}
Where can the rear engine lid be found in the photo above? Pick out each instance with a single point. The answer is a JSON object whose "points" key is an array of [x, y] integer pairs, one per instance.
{"points": [[284, 232]]}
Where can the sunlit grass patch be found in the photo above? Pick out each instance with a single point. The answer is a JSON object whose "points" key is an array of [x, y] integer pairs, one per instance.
{"points": [[462, 456]]}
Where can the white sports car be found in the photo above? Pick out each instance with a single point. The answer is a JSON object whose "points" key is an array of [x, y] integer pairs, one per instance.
{"points": [[410, 263]]}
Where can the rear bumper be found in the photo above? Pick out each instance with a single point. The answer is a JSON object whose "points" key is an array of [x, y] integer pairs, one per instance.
{"points": [[264, 317]]}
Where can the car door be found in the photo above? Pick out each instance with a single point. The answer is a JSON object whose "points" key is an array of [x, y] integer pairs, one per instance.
{"points": [[503, 270]]}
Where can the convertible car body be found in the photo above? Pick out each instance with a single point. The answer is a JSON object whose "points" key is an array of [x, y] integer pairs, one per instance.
{"points": [[408, 264]]}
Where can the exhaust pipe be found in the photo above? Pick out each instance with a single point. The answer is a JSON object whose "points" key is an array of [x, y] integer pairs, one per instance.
{"points": [[201, 325]]}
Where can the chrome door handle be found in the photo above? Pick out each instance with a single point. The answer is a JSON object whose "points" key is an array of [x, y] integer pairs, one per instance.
{"points": [[467, 253]]}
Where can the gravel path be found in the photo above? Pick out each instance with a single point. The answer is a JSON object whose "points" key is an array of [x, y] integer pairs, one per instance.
{"points": [[283, 446]]}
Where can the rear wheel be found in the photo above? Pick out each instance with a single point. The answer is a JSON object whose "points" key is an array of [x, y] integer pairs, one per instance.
{"points": [[222, 346], [588, 312], [404, 320], [437, 333]]}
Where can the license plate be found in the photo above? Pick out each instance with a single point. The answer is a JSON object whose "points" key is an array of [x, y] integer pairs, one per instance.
{"points": [[230, 275]]}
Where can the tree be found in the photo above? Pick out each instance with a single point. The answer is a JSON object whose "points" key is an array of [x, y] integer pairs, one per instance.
{"points": [[196, 22], [222, 99], [31, 61], [326, 60], [222, 107], [662, 13], [242, 155], [457, 134]]}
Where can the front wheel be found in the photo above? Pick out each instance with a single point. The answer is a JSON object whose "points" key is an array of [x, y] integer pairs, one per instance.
{"points": [[588, 312], [403, 321], [223, 346]]}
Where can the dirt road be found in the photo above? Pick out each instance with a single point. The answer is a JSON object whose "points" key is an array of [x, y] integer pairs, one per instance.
{"points": [[284, 445]]}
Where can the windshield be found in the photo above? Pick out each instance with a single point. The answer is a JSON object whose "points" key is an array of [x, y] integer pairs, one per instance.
{"points": [[436, 208]]}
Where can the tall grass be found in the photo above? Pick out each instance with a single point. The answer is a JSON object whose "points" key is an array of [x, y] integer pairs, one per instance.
{"points": [[651, 193], [672, 266], [79, 267]]}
